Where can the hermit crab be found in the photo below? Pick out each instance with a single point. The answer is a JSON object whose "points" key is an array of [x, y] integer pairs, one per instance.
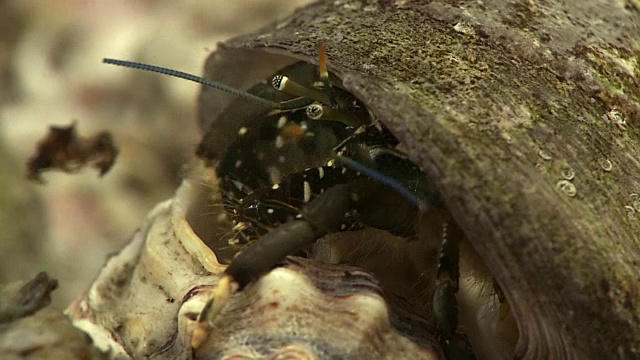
{"points": [[510, 127], [315, 164]]}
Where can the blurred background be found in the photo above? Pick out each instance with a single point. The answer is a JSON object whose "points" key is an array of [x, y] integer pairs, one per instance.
{"points": [[51, 74]]}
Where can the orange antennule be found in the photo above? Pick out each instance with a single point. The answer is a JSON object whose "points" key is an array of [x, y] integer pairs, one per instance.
{"points": [[324, 73], [322, 59]]}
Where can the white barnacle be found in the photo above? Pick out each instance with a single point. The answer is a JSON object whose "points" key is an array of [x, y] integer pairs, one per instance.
{"points": [[631, 212], [464, 28], [568, 173], [544, 154], [243, 130], [567, 187], [606, 165], [616, 118]]}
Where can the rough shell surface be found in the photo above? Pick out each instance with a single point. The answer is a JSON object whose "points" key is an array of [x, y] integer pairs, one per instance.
{"points": [[495, 100], [145, 300]]}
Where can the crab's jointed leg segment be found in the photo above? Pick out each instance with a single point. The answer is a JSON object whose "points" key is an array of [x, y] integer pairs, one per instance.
{"points": [[456, 346]]}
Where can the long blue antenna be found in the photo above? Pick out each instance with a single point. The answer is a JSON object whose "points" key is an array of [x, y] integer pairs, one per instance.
{"points": [[381, 178], [194, 78]]}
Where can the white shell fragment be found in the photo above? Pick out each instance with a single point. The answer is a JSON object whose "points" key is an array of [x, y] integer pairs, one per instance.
{"points": [[146, 299]]}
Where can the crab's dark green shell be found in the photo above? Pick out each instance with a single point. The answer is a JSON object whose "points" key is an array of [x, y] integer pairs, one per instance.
{"points": [[525, 114]]}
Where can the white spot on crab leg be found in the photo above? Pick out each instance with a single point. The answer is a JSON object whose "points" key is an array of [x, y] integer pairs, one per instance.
{"points": [[238, 184], [307, 191], [282, 121], [320, 172], [274, 175], [275, 186], [279, 142], [240, 226], [269, 211], [238, 163], [243, 130]]}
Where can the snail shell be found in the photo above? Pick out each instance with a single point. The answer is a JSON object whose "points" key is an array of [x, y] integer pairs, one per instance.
{"points": [[476, 91], [495, 101]]}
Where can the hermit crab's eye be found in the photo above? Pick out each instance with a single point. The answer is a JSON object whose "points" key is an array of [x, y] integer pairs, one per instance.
{"points": [[325, 96], [286, 85], [314, 111], [349, 118]]}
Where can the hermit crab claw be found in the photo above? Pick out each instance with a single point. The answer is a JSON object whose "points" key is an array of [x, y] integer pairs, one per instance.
{"points": [[148, 298]]}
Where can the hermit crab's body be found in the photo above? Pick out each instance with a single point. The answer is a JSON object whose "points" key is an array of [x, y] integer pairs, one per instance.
{"points": [[317, 163], [306, 180]]}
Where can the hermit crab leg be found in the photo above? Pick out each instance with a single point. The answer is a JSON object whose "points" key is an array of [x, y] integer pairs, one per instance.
{"points": [[445, 305], [321, 216]]}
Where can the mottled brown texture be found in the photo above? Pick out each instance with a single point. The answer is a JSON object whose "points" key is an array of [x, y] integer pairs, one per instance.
{"points": [[27, 331], [499, 102], [62, 149], [31, 297]]}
